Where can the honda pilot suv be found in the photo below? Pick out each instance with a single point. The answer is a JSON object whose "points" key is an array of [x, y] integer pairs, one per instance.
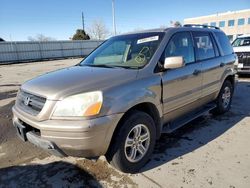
{"points": [[126, 93]]}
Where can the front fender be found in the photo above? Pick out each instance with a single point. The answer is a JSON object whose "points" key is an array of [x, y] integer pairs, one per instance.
{"points": [[121, 98]]}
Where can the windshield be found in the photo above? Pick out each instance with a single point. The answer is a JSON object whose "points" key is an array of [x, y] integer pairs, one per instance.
{"points": [[241, 42], [128, 51]]}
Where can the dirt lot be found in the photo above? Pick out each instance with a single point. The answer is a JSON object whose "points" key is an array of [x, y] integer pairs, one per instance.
{"points": [[208, 152]]}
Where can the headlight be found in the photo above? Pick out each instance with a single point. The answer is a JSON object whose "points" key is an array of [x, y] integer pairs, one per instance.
{"points": [[85, 104]]}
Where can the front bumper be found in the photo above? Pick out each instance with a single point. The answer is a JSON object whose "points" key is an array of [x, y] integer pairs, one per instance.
{"points": [[243, 71], [80, 138]]}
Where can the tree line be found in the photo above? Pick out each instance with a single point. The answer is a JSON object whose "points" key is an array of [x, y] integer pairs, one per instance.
{"points": [[97, 31]]}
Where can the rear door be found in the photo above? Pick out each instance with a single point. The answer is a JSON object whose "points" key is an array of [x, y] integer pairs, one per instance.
{"points": [[212, 64], [181, 86]]}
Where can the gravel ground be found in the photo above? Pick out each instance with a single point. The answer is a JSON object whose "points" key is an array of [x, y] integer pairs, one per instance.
{"points": [[208, 152]]}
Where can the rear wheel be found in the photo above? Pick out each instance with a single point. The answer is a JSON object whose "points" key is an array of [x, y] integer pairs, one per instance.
{"points": [[134, 143], [224, 100]]}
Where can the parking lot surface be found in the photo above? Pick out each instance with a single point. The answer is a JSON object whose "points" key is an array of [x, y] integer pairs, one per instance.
{"points": [[208, 152]]}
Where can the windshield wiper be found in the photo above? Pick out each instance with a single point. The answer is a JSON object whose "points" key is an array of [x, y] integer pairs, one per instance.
{"points": [[99, 65], [127, 67], [110, 66]]}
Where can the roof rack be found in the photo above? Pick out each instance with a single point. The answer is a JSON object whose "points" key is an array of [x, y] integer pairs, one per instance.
{"points": [[199, 25]]}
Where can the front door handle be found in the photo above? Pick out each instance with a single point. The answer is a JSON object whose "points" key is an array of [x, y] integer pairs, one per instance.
{"points": [[196, 72], [222, 64]]}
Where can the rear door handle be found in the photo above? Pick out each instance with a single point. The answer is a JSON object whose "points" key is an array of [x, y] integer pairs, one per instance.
{"points": [[222, 64], [196, 72]]}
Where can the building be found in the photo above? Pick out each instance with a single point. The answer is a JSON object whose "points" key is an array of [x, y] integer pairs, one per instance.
{"points": [[233, 23]]}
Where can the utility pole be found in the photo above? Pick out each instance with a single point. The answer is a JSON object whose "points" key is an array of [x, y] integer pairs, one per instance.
{"points": [[113, 11], [83, 26]]}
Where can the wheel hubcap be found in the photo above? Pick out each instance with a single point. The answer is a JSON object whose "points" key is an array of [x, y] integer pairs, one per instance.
{"points": [[226, 97], [137, 143]]}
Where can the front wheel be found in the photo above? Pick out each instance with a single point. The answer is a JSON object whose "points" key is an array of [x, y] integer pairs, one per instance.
{"points": [[134, 143], [224, 99]]}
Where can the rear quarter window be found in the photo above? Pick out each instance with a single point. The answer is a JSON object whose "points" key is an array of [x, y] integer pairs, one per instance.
{"points": [[224, 43]]}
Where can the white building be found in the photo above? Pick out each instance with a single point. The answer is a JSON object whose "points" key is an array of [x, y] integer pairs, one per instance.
{"points": [[233, 23]]}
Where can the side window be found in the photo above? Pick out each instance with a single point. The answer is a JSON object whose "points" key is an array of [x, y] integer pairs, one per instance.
{"points": [[224, 43], [203, 45], [181, 45]]}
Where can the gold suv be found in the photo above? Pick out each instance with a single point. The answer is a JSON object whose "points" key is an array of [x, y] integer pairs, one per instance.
{"points": [[126, 93]]}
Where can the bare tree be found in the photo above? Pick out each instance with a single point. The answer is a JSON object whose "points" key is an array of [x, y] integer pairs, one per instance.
{"points": [[40, 37], [98, 30]]}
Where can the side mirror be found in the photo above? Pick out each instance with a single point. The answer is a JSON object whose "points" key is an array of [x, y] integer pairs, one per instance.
{"points": [[173, 62]]}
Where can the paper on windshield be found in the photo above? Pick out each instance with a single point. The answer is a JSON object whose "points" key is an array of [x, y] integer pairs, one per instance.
{"points": [[148, 39]]}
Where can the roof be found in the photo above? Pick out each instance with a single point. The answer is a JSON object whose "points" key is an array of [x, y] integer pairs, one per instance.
{"points": [[183, 28]]}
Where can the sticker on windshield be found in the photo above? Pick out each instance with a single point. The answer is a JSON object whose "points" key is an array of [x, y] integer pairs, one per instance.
{"points": [[148, 39]]}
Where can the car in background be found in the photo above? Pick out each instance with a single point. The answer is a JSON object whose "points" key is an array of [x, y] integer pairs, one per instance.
{"points": [[241, 47]]}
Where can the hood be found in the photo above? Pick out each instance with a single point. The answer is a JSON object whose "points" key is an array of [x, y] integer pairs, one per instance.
{"points": [[58, 84], [242, 49]]}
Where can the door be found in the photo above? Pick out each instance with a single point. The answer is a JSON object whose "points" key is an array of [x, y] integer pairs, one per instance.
{"points": [[181, 86], [212, 64]]}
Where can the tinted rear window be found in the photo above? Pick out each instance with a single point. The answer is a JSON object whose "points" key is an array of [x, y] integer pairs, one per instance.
{"points": [[224, 43], [203, 45]]}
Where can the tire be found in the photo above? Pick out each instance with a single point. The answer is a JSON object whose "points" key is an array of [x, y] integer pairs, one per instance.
{"points": [[121, 155], [224, 99]]}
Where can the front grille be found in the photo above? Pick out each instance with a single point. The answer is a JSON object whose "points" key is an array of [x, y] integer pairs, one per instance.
{"points": [[32, 104], [244, 58]]}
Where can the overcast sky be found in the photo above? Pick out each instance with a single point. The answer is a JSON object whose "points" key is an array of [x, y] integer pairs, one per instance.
{"points": [[59, 19]]}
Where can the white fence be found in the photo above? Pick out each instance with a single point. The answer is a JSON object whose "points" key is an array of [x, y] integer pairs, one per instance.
{"points": [[11, 52]]}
